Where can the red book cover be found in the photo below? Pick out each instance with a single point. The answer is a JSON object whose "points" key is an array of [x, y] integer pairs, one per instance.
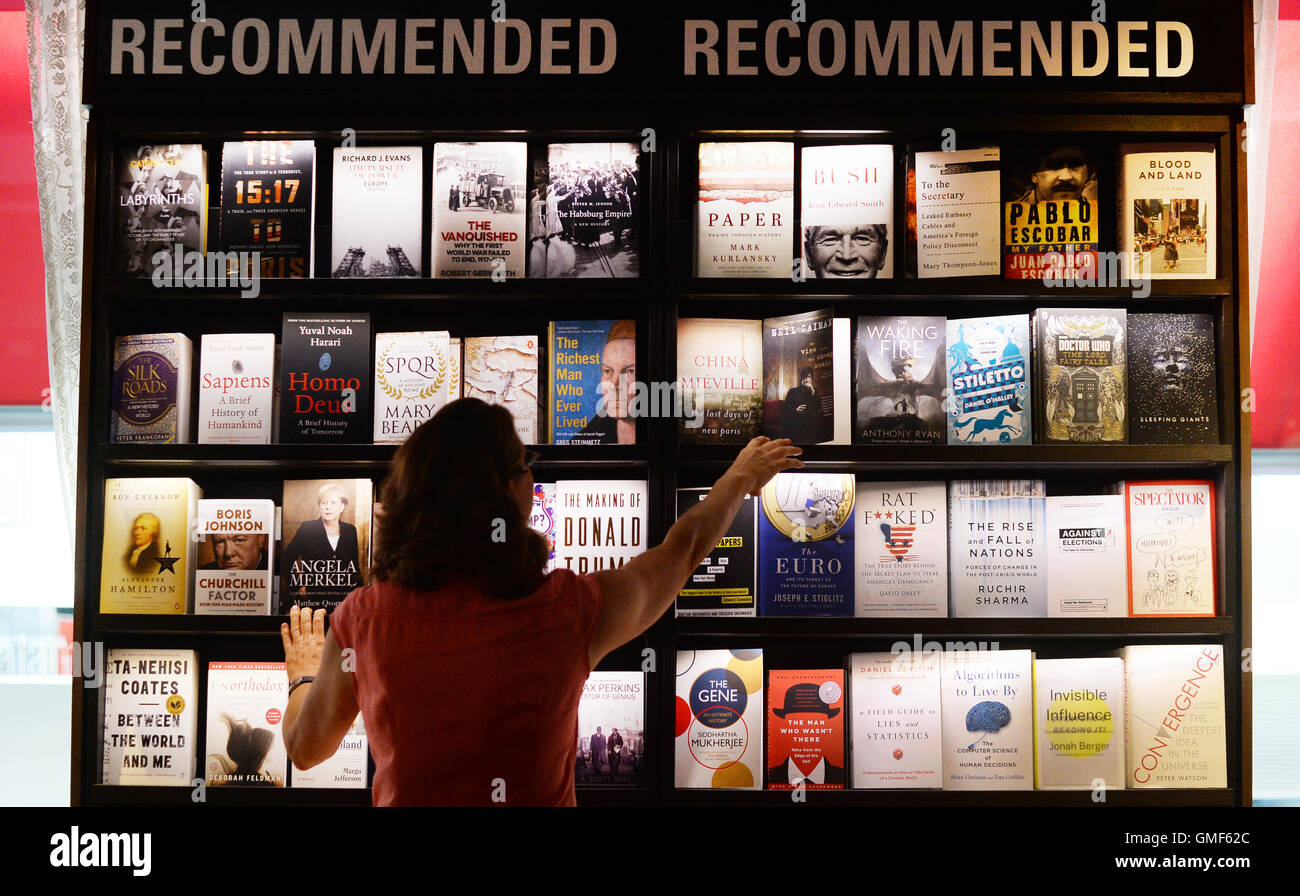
{"points": [[805, 729]]}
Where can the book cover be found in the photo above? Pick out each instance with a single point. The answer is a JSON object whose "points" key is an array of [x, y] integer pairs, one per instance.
{"points": [[375, 227], [1082, 374], [847, 211], [897, 728], [411, 372], [325, 375], [245, 741], [1079, 737], [990, 400], [584, 211], [345, 770], [997, 558], [611, 732], [1173, 388], [799, 377], [957, 196], [987, 699], [724, 582], [543, 517], [236, 551], [720, 378], [1087, 556], [842, 377], [455, 380], [162, 203], [268, 205], [1171, 547], [745, 210], [901, 379], [1175, 715], [592, 372], [902, 549], [805, 545], [1050, 218], [805, 729], [478, 209], [326, 530], [503, 370], [147, 564], [236, 378], [718, 728], [599, 523], [151, 388], [1167, 210], [151, 711]]}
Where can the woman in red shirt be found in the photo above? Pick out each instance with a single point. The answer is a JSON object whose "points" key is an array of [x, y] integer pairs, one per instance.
{"points": [[464, 658]]}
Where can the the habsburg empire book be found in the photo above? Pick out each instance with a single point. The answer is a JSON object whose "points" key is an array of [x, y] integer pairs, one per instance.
{"points": [[718, 724], [720, 380], [147, 564], [1081, 375], [151, 388], [326, 532], [584, 211], [375, 230], [745, 210], [1173, 388], [412, 371], [901, 376], [479, 201], [245, 737], [236, 554], [236, 388], [268, 206], [162, 204], [325, 378], [151, 709]]}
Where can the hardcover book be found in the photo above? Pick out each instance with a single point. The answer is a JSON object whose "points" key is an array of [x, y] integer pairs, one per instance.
{"points": [[543, 517], [805, 545], [1171, 547], [147, 564], [584, 211], [151, 388], [268, 206], [988, 719], [375, 231], [455, 381], [1050, 214], [799, 377], [897, 727], [611, 732], [411, 372], [745, 210], [325, 375], [719, 719], [724, 582], [957, 212], [997, 557], [1087, 556], [847, 211], [162, 204], [345, 770], [1167, 210], [1079, 737], [478, 209], [1081, 375], [805, 729], [990, 400], [326, 531], [503, 370], [235, 557], [599, 523], [720, 378], [1173, 391], [842, 377], [902, 549], [901, 379], [245, 741], [592, 372], [151, 711], [236, 379]]}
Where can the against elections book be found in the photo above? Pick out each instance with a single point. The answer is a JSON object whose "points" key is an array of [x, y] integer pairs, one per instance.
{"points": [[599, 523], [147, 563], [411, 372], [162, 203], [745, 210], [592, 372], [1087, 556], [479, 197], [1050, 220], [1081, 375], [345, 770], [1167, 210], [151, 388], [720, 379], [326, 532], [724, 584], [236, 383], [805, 545], [503, 370], [245, 740], [997, 547], [1173, 382], [543, 517], [375, 231], [268, 206], [325, 374], [611, 731], [901, 376], [806, 725], [1079, 737], [847, 211], [957, 196], [151, 711], [718, 725], [799, 377], [584, 211], [990, 400], [897, 728], [1175, 715], [902, 549], [1171, 547], [988, 719], [235, 557]]}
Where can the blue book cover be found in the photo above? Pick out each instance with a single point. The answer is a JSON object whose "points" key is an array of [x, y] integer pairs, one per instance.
{"points": [[805, 545], [592, 376], [989, 398]]}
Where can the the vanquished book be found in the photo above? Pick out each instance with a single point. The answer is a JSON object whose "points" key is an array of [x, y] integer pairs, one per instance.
{"points": [[236, 383], [990, 400], [503, 370], [611, 731], [901, 376], [957, 198], [805, 545], [599, 523], [268, 206], [806, 726], [245, 740], [479, 193], [326, 533], [1171, 547], [151, 711], [724, 582], [235, 557], [847, 211], [411, 373], [162, 203], [997, 547], [1087, 556], [897, 729], [720, 380], [151, 388], [988, 720], [719, 719], [1175, 716], [147, 564], [1081, 375], [902, 549], [1079, 737], [745, 208], [325, 375], [1173, 387], [1167, 210], [375, 230]]}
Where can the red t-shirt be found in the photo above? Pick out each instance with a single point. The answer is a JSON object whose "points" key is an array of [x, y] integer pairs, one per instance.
{"points": [[460, 690]]}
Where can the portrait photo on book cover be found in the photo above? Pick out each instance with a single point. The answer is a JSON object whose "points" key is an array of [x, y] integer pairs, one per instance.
{"points": [[611, 422], [859, 251], [326, 536], [233, 551]]}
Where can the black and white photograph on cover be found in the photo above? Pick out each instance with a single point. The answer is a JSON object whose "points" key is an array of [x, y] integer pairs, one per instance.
{"points": [[610, 756], [233, 550], [160, 204], [479, 193], [846, 251], [1169, 236], [1057, 174], [242, 758], [584, 210]]}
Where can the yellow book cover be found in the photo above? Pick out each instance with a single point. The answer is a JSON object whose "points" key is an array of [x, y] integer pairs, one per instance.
{"points": [[148, 558]]}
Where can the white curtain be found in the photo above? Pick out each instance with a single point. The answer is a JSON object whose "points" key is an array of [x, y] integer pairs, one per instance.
{"points": [[54, 51]]}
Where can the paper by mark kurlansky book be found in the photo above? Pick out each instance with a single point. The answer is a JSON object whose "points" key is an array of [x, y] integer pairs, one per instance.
{"points": [[162, 203], [799, 377], [1171, 547], [1050, 222], [611, 731], [718, 724], [592, 374], [268, 205], [236, 554], [724, 582], [957, 198], [411, 373], [325, 375], [151, 388], [1081, 375], [1167, 210], [745, 209], [1173, 388], [847, 211], [147, 564], [599, 523], [806, 724], [990, 399], [997, 547], [503, 370], [901, 378], [236, 388], [720, 378], [245, 738], [805, 545], [375, 230], [902, 549], [584, 211], [151, 710], [479, 209], [326, 531]]}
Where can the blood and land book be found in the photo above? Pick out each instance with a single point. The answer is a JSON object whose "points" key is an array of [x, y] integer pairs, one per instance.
{"points": [[990, 400], [806, 726], [162, 203], [503, 370], [479, 199], [325, 374], [591, 375], [1081, 375], [268, 205], [611, 732], [411, 373], [1050, 222], [151, 388], [599, 523], [375, 231], [901, 376], [958, 211], [584, 211], [1173, 383], [897, 729], [236, 383], [326, 530], [724, 584], [1087, 556], [805, 545], [847, 211], [1079, 737], [1167, 195], [1175, 715], [997, 547], [799, 377], [542, 519], [245, 741], [987, 699], [720, 378], [1171, 547], [236, 553], [902, 549], [147, 564], [718, 725], [745, 210], [345, 770], [151, 711]]}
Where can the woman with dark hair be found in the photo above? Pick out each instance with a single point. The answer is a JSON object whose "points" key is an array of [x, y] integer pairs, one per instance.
{"points": [[463, 656]]}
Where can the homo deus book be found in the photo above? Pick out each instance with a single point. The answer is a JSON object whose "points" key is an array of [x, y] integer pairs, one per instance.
{"points": [[245, 738], [987, 700], [599, 523], [896, 728], [325, 378], [805, 729], [718, 723], [235, 557], [147, 563], [411, 373], [151, 709], [151, 388]]}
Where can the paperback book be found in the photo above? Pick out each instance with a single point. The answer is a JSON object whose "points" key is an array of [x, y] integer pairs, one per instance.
{"points": [[592, 372], [503, 370], [1079, 737], [375, 231], [799, 377], [236, 378], [1167, 210], [599, 523], [411, 373], [147, 564], [1050, 224], [1175, 715], [1173, 393], [902, 549], [957, 198], [997, 558], [1171, 547], [988, 720], [151, 710], [720, 380], [990, 400], [719, 719], [897, 729], [325, 374], [1087, 556], [1081, 375]]}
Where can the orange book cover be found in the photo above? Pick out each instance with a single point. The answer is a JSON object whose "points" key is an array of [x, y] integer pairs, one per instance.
{"points": [[805, 729]]}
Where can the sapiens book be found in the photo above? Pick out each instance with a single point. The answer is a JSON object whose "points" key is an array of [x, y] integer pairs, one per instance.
{"points": [[162, 204], [1171, 547], [745, 210], [611, 732], [724, 584], [325, 374], [799, 377], [236, 554], [1173, 380], [542, 519], [900, 379], [151, 709], [1051, 227], [987, 700], [584, 211], [236, 383], [718, 728], [478, 209], [599, 523], [151, 388], [897, 728], [147, 563], [720, 380], [591, 377], [957, 196], [805, 545], [503, 370], [375, 226], [245, 739], [345, 770], [411, 373], [268, 206], [846, 211], [1079, 737], [326, 534], [1081, 375], [1087, 556], [990, 400], [997, 547], [901, 565], [1167, 210]]}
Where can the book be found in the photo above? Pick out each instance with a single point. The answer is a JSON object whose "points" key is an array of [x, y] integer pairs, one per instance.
{"points": [[1173, 382], [1081, 375], [455, 380], [996, 540], [599, 523], [611, 732], [245, 741], [326, 531], [799, 377], [1167, 210], [745, 210], [151, 711], [847, 210], [1079, 737], [805, 545], [957, 196], [1051, 228], [375, 226], [325, 376], [478, 209], [724, 582], [345, 770], [902, 549], [805, 729], [987, 699], [268, 206], [720, 379], [236, 380], [718, 731], [503, 370], [990, 399], [543, 517], [901, 376], [842, 379], [411, 372], [897, 728], [1171, 547], [162, 205], [236, 553], [147, 563], [591, 376], [584, 211], [1087, 556], [1175, 715], [151, 388]]}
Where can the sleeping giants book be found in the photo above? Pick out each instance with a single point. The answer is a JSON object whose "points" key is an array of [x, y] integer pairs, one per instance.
{"points": [[151, 388], [479, 193], [901, 377], [162, 204], [325, 377], [990, 400], [584, 211], [375, 231], [1082, 375], [745, 210], [147, 564], [268, 206], [799, 377], [1049, 195], [847, 211], [1173, 388], [326, 532], [805, 545]]}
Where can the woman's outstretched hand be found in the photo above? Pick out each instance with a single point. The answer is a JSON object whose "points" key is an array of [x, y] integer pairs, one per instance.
{"points": [[304, 639], [762, 459]]}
